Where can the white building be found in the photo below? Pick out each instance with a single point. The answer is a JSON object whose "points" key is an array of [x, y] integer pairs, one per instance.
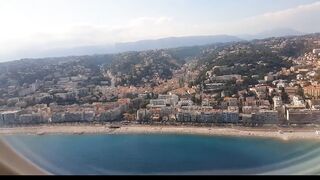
{"points": [[316, 51], [185, 103], [170, 99], [282, 84], [277, 102], [298, 101], [269, 78], [158, 103], [300, 77]]}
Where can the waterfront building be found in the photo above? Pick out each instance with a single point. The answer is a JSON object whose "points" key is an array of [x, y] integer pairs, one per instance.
{"points": [[31, 119], [265, 117], [143, 115], [166, 112], [303, 116], [246, 119], [73, 116], [212, 116], [230, 117], [10, 117], [57, 117], [111, 115], [183, 116], [215, 116], [89, 116]]}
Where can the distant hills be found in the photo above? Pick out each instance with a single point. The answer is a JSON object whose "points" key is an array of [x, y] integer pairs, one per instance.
{"points": [[174, 42], [280, 32], [165, 43]]}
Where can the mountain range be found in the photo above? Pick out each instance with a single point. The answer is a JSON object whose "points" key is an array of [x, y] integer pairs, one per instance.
{"points": [[280, 32], [170, 42], [164, 43]]}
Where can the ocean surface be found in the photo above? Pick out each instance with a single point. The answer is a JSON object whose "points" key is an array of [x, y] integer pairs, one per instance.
{"points": [[167, 154]]}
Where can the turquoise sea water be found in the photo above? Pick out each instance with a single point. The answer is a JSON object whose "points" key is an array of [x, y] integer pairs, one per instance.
{"points": [[167, 154]]}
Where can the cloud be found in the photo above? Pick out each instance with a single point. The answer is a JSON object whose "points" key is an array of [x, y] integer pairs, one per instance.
{"points": [[144, 28], [46, 38], [136, 29], [150, 20], [303, 18]]}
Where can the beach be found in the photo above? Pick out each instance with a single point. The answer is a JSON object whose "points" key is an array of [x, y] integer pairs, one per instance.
{"points": [[279, 133]]}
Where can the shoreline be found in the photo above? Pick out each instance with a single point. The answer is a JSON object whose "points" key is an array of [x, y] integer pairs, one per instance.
{"points": [[285, 134]]}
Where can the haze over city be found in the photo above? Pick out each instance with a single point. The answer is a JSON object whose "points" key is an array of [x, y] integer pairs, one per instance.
{"points": [[33, 28]]}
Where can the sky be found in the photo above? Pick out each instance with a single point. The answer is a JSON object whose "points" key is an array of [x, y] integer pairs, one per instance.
{"points": [[32, 26]]}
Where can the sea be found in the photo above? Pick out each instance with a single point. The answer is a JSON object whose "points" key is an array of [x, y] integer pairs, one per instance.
{"points": [[167, 154]]}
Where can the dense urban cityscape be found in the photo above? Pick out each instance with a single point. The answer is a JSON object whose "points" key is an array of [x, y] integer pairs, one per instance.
{"points": [[273, 81]]}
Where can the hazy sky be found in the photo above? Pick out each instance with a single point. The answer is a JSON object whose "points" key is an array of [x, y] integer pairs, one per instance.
{"points": [[36, 25]]}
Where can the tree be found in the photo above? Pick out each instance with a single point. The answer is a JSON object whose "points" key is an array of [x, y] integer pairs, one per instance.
{"points": [[284, 96], [217, 72], [300, 91]]}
